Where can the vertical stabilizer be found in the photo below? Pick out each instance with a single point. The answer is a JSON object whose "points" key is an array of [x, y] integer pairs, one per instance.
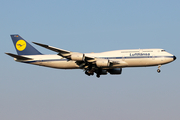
{"points": [[23, 47]]}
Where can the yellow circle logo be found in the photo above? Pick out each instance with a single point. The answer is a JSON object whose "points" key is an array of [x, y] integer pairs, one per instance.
{"points": [[21, 45]]}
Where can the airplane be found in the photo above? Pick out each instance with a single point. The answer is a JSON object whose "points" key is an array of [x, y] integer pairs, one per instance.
{"points": [[102, 63]]}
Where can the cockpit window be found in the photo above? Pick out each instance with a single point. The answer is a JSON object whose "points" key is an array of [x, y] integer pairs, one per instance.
{"points": [[162, 50]]}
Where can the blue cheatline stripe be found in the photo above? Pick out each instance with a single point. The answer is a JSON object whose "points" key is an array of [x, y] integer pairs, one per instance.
{"points": [[101, 58], [46, 60], [136, 57]]}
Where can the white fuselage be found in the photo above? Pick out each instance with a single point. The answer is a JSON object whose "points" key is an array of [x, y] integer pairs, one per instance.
{"points": [[124, 58]]}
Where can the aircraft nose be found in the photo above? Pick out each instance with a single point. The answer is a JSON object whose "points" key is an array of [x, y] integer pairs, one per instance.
{"points": [[174, 57]]}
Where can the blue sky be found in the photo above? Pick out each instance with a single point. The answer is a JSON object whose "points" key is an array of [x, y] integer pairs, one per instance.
{"points": [[33, 92]]}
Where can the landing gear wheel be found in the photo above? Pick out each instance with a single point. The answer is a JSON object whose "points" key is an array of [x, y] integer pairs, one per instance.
{"points": [[158, 70], [98, 75], [87, 73]]}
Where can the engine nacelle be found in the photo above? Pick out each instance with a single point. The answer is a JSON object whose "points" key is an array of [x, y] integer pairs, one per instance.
{"points": [[115, 71], [103, 63], [103, 72], [77, 57]]}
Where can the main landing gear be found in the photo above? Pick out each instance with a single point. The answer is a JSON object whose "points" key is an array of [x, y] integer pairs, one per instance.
{"points": [[158, 70], [92, 73], [91, 70]]}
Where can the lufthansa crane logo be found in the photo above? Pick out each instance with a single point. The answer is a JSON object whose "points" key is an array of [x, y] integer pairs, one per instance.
{"points": [[21, 45]]}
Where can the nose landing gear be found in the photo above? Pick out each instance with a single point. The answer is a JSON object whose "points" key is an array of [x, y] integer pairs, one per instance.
{"points": [[158, 70]]}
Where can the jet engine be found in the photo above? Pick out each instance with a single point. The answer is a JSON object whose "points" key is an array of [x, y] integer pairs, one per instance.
{"points": [[101, 72], [115, 71], [77, 57], [103, 63]]}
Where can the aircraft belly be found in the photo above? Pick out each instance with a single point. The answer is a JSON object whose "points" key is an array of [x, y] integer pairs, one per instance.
{"points": [[136, 62], [61, 64], [140, 62]]}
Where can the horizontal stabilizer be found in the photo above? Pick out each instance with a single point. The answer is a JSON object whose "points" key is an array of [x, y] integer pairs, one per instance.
{"points": [[18, 56]]}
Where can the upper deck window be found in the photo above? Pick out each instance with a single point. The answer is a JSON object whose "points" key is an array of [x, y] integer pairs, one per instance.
{"points": [[162, 50]]}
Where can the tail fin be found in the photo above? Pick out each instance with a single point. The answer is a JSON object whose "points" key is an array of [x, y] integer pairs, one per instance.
{"points": [[23, 47]]}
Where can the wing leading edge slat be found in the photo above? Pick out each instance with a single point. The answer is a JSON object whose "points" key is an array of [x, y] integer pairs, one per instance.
{"points": [[52, 48]]}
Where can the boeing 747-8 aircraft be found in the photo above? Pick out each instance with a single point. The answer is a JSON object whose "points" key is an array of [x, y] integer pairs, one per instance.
{"points": [[100, 63]]}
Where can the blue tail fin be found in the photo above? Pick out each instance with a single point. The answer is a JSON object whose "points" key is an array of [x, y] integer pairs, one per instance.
{"points": [[23, 47]]}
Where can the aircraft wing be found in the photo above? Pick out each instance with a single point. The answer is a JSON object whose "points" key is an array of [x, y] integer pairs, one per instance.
{"points": [[65, 53], [54, 49]]}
